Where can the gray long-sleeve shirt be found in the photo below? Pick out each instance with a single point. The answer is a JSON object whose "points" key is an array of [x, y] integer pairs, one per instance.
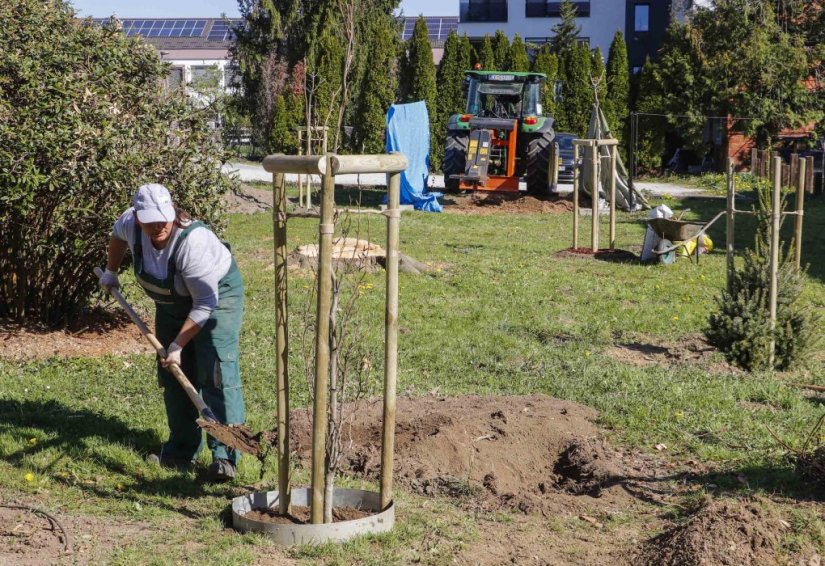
{"points": [[202, 261]]}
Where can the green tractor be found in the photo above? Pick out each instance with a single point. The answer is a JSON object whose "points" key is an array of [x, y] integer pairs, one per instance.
{"points": [[502, 136]]}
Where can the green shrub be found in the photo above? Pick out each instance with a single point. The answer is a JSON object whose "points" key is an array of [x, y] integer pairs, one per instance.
{"points": [[84, 120], [741, 326]]}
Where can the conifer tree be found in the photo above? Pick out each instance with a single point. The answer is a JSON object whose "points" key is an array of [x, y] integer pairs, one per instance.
{"points": [[421, 71], [517, 60], [617, 103], [377, 89], [501, 51], [566, 32], [597, 75], [468, 54], [548, 63], [449, 79], [577, 94], [486, 58]]}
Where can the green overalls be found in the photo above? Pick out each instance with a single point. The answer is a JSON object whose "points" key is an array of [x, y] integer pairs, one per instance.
{"points": [[209, 360]]}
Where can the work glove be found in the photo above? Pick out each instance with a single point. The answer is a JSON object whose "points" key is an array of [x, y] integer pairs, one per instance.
{"points": [[109, 280], [172, 355]]}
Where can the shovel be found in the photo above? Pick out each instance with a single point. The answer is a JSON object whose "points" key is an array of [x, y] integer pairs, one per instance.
{"points": [[238, 437]]}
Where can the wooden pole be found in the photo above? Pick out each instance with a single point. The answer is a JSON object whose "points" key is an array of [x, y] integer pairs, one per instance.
{"points": [[300, 175], [613, 153], [776, 169], [319, 409], [730, 227], [800, 205], [390, 338], [554, 169], [575, 197], [754, 162], [594, 197], [281, 338], [809, 175]]}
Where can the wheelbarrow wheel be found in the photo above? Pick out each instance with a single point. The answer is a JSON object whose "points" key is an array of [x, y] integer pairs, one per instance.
{"points": [[665, 258]]}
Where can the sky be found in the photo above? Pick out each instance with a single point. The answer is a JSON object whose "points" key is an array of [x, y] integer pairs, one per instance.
{"points": [[214, 8]]}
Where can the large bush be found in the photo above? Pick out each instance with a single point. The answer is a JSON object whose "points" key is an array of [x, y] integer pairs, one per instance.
{"points": [[84, 120]]}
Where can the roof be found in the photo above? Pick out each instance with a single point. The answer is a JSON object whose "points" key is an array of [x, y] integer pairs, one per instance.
{"points": [[216, 33], [180, 33]]}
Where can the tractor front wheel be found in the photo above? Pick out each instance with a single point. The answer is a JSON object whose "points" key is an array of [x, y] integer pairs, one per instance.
{"points": [[455, 159], [539, 152]]}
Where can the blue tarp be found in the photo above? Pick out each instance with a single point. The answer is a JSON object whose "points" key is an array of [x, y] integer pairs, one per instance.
{"points": [[408, 131]]}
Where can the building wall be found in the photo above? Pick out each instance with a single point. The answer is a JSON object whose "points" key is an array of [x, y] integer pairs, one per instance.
{"points": [[605, 19]]}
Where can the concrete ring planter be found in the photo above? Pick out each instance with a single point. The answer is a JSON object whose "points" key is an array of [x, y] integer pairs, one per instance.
{"points": [[292, 534]]}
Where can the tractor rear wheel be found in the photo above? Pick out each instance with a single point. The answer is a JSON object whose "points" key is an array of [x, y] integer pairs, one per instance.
{"points": [[455, 159], [539, 152]]}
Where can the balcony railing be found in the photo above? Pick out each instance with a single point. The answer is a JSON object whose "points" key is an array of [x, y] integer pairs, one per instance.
{"points": [[541, 9], [495, 11]]}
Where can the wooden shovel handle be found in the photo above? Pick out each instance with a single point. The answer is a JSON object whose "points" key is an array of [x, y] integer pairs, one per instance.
{"points": [[174, 369]]}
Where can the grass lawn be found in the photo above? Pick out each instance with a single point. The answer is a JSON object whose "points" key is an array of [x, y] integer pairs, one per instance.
{"points": [[502, 316]]}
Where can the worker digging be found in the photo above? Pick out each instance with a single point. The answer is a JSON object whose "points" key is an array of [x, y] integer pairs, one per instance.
{"points": [[199, 302]]}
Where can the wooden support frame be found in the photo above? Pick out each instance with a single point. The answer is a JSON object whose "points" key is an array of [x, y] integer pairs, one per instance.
{"points": [[595, 175], [328, 166]]}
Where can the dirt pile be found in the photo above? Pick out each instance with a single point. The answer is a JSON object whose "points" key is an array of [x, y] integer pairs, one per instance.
{"points": [[496, 203], [29, 537], [720, 532], [505, 451], [691, 349]]}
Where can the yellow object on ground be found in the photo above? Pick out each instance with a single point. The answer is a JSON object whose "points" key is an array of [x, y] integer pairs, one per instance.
{"points": [[688, 247]]}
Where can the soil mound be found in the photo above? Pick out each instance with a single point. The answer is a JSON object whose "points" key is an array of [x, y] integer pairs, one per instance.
{"points": [[496, 203], [29, 537], [720, 532], [506, 451]]}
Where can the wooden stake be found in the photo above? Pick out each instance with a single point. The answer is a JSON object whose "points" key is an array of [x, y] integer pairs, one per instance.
{"points": [[281, 339], [776, 169], [754, 162], [594, 197], [809, 175], [613, 153], [575, 197], [319, 409], [800, 205], [390, 338], [730, 227]]}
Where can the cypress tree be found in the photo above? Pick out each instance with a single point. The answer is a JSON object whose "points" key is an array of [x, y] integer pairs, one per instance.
{"points": [[598, 74], [548, 63], [468, 54], [617, 103], [486, 58], [577, 92], [501, 51], [448, 78], [422, 84], [566, 32], [377, 88], [517, 59]]}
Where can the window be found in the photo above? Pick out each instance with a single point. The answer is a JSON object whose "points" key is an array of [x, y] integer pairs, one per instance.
{"points": [[641, 17], [231, 77], [547, 9]]}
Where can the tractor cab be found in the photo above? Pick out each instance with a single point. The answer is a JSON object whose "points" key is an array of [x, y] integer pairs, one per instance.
{"points": [[497, 95]]}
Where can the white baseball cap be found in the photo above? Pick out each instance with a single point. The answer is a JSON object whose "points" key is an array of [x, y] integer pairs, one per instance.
{"points": [[153, 203]]}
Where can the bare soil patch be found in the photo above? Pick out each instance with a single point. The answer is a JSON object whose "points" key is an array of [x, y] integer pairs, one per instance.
{"points": [[31, 539], [691, 349], [498, 203], [724, 532], [509, 452], [300, 515], [95, 333], [248, 200]]}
